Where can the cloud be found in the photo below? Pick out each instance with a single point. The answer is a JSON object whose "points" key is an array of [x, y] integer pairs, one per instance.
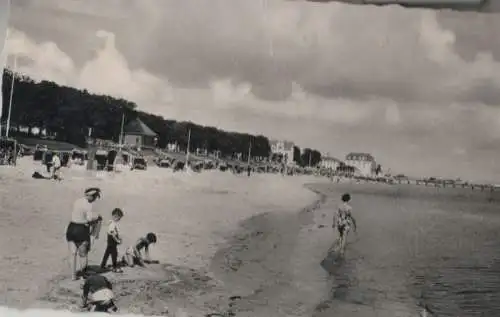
{"points": [[44, 61], [401, 54], [4, 13], [109, 73], [339, 78]]}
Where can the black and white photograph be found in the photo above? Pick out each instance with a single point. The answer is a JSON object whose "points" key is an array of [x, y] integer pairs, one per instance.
{"points": [[250, 158]]}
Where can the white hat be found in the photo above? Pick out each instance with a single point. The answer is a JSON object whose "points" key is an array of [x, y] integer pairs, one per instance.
{"points": [[103, 295]]}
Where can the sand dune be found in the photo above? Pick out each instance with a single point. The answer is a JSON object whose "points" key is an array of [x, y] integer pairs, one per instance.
{"points": [[192, 214]]}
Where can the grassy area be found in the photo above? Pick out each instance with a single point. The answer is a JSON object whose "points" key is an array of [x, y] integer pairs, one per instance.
{"points": [[51, 144]]}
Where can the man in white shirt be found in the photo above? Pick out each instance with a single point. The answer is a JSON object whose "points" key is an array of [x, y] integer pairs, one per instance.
{"points": [[78, 232]]}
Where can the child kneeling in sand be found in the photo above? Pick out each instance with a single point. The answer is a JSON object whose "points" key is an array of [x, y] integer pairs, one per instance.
{"points": [[98, 295], [133, 254]]}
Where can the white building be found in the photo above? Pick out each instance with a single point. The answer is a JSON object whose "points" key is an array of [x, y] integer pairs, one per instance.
{"points": [[329, 162], [363, 163], [283, 149]]}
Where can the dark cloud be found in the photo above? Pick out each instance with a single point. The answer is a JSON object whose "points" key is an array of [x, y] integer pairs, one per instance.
{"points": [[484, 91]]}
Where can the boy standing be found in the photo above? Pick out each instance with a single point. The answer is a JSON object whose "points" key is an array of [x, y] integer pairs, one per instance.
{"points": [[114, 240]]}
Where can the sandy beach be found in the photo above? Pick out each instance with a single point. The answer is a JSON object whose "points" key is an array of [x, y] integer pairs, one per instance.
{"points": [[263, 238], [194, 216]]}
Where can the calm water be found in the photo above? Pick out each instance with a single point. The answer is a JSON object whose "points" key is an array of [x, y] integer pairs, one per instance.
{"points": [[422, 245], [415, 245]]}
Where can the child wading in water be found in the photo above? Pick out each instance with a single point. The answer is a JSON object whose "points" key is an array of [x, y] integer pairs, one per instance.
{"points": [[343, 220], [114, 240], [133, 255]]}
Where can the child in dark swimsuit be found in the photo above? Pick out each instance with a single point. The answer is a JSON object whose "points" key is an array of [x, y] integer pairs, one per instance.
{"points": [[343, 220], [133, 254]]}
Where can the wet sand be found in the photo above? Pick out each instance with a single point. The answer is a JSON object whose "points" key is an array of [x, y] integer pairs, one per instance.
{"points": [[415, 246]]}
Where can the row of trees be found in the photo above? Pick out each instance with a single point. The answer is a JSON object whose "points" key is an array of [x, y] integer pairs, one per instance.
{"points": [[307, 157], [68, 113]]}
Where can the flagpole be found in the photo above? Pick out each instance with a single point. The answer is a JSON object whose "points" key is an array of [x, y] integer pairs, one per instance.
{"points": [[121, 129], [119, 155], [249, 152], [7, 128], [188, 145]]}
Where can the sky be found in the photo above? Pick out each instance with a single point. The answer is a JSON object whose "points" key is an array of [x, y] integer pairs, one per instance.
{"points": [[4, 18], [418, 89]]}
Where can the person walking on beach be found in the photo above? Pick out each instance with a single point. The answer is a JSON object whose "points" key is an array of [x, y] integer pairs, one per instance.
{"points": [[114, 240], [78, 232], [56, 166], [343, 220]]}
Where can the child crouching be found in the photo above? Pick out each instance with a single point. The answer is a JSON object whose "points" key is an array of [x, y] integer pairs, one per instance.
{"points": [[133, 254], [98, 295]]}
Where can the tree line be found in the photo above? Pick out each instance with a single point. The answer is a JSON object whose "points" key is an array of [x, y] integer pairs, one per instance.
{"points": [[68, 113], [307, 157]]}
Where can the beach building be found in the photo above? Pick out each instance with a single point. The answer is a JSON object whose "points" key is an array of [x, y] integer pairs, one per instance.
{"points": [[138, 134], [284, 149], [329, 162], [363, 163]]}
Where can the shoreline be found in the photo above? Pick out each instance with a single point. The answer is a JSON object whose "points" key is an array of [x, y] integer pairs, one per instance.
{"points": [[259, 258]]}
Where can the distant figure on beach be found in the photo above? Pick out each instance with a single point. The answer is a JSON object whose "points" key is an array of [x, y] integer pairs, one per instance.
{"points": [[426, 312], [343, 220], [98, 294], [133, 254], [78, 232], [56, 166], [113, 241], [10, 156]]}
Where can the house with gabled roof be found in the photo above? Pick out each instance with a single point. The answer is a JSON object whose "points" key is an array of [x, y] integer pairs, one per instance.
{"points": [[136, 133]]}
